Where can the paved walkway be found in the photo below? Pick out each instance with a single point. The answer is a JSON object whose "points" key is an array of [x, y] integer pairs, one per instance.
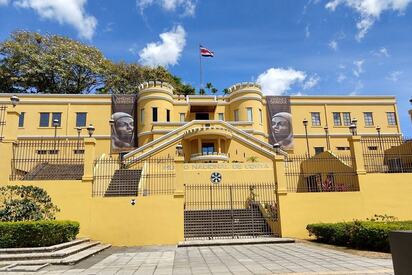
{"points": [[293, 258]]}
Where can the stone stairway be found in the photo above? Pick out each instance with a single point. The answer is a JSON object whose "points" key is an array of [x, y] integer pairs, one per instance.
{"points": [[124, 183], [225, 223], [65, 253]]}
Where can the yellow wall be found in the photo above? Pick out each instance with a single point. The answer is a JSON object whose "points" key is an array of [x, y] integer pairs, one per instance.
{"points": [[115, 220], [379, 194]]}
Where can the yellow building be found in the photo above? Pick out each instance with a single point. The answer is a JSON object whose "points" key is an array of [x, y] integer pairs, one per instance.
{"points": [[157, 167]]}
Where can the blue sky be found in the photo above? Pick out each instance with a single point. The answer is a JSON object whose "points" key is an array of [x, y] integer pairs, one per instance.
{"points": [[329, 47]]}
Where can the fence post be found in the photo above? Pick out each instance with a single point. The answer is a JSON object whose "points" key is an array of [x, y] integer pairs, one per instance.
{"points": [[279, 173], [6, 145], [179, 176], [357, 154], [89, 157]]}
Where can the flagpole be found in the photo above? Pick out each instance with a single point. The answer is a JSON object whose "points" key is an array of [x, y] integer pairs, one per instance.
{"points": [[200, 68]]}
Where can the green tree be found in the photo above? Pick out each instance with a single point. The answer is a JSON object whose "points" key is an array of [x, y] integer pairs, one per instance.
{"points": [[31, 62], [225, 91], [202, 91], [213, 90]]}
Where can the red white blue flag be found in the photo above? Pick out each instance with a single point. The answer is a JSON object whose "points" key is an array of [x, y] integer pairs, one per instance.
{"points": [[206, 52]]}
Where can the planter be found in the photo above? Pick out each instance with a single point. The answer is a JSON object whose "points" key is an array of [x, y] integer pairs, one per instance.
{"points": [[401, 249]]}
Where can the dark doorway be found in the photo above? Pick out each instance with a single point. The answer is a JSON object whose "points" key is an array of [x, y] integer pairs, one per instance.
{"points": [[202, 116]]}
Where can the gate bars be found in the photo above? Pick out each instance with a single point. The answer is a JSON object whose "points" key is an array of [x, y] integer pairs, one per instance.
{"points": [[230, 210]]}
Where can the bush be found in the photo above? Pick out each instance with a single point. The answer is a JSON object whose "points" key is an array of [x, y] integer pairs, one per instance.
{"points": [[369, 235], [36, 233], [25, 203]]}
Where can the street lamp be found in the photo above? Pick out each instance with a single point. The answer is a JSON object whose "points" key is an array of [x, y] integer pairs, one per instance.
{"points": [[276, 146], [305, 124], [79, 130], [327, 137], [90, 130], [378, 130], [179, 150], [14, 100], [55, 125], [352, 129]]}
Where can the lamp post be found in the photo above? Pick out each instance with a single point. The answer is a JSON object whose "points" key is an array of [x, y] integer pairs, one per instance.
{"points": [[378, 130], [327, 137], [14, 100], [305, 124], [90, 130], [79, 130], [55, 125], [276, 146], [352, 129]]}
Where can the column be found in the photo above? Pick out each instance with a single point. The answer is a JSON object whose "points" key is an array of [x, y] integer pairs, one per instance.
{"points": [[357, 154], [6, 145], [89, 157], [219, 148], [199, 145]]}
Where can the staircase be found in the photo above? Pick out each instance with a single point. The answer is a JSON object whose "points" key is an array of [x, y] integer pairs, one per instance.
{"points": [[46, 171], [65, 253], [124, 183], [225, 223]]}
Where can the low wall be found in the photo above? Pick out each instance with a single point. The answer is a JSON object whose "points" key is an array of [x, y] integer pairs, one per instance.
{"points": [[152, 220], [379, 194]]}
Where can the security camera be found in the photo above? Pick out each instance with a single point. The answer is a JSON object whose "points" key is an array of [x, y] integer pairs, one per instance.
{"points": [[133, 202]]}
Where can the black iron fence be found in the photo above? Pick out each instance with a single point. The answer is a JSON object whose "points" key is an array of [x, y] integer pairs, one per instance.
{"points": [[387, 154], [230, 210], [3, 109], [320, 173], [47, 159], [114, 178]]}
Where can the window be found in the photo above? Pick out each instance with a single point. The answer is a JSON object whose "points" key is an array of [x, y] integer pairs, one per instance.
{"points": [[372, 148], [167, 115], [154, 114], [346, 119], [342, 148], [260, 116], [44, 119], [368, 117], [208, 148], [337, 120], [315, 118], [391, 118], [81, 119], [319, 150], [58, 117], [221, 116], [142, 116], [182, 117], [249, 112], [21, 119], [236, 115]]}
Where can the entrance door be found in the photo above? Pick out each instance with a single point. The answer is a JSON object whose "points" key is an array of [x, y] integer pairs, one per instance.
{"points": [[234, 211], [202, 116]]}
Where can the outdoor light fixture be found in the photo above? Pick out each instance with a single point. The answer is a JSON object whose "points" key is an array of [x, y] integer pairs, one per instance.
{"points": [[354, 121], [276, 146], [90, 130], [79, 130], [378, 130], [327, 137], [179, 150], [305, 124], [111, 122], [14, 100], [132, 201], [55, 125], [352, 129]]}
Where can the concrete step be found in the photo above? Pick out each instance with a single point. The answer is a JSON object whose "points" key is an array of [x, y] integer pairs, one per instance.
{"points": [[70, 259], [240, 241], [42, 249], [62, 253]]}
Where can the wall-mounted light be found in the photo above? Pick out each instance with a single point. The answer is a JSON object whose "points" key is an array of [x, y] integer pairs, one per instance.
{"points": [[90, 130], [14, 100]]}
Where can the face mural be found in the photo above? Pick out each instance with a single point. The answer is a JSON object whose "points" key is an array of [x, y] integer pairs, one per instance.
{"points": [[123, 123], [280, 121]]}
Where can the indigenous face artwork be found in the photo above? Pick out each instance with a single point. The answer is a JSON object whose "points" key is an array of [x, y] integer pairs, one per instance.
{"points": [[123, 126], [280, 121]]}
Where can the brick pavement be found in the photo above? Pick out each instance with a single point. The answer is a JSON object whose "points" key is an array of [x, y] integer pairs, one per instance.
{"points": [[293, 258]]}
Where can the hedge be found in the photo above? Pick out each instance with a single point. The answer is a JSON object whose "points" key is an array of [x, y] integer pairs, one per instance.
{"points": [[37, 233], [368, 235]]}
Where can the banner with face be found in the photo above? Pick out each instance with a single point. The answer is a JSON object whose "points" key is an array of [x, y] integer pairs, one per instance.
{"points": [[280, 121], [124, 120]]}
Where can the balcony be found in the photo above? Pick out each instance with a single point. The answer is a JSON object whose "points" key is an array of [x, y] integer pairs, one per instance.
{"points": [[211, 156]]}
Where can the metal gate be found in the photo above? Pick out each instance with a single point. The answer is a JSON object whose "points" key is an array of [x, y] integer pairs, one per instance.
{"points": [[230, 211]]}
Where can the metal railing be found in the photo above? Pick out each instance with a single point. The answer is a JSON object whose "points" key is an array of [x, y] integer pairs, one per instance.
{"points": [[48, 159], [114, 178], [230, 210], [387, 154], [3, 109], [320, 173]]}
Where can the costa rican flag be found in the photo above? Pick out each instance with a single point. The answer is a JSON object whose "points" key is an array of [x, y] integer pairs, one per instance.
{"points": [[205, 52]]}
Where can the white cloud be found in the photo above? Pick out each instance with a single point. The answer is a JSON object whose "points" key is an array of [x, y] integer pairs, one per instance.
{"points": [[382, 52], [307, 31], [369, 11], [188, 6], [341, 78], [70, 12], [167, 52], [311, 82], [277, 81], [358, 67], [394, 76], [4, 2], [333, 44]]}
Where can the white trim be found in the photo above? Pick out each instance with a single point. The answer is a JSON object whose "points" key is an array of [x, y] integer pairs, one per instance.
{"points": [[155, 97]]}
